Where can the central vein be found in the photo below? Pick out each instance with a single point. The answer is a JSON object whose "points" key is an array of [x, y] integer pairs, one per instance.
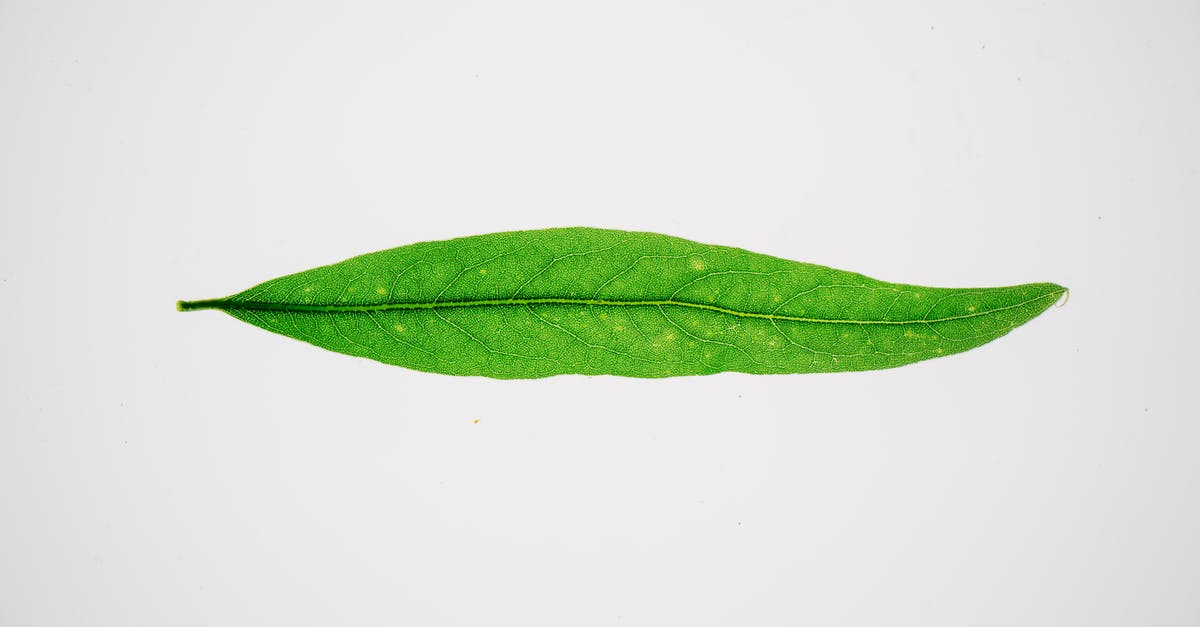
{"points": [[232, 305]]}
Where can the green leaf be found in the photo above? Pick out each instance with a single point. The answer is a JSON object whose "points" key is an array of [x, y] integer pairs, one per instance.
{"points": [[530, 304]]}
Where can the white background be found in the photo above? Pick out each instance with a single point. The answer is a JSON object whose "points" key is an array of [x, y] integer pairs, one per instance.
{"points": [[159, 468]]}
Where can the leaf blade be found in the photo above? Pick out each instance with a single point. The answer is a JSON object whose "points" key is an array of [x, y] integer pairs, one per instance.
{"points": [[529, 304]]}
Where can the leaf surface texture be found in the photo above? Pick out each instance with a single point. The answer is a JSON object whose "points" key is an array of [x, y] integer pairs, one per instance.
{"points": [[530, 304]]}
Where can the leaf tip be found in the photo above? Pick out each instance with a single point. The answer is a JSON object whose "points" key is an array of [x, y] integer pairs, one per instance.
{"points": [[1065, 295]]}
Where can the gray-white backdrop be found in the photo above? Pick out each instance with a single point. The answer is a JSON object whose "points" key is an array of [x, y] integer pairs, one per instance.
{"points": [[159, 468]]}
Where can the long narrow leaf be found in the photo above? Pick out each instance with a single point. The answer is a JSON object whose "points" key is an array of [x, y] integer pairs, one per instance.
{"points": [[532, 304]]}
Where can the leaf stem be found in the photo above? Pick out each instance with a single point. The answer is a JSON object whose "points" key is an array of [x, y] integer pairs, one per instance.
{"points": [[193, 305]]}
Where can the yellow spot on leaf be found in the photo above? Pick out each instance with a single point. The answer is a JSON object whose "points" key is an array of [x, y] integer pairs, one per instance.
{"points": [[696, 263], [483, 271], [380, 291], [399, 328]]}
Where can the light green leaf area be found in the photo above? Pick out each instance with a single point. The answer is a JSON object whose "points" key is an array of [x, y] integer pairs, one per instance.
{"points": [[530, 304]]}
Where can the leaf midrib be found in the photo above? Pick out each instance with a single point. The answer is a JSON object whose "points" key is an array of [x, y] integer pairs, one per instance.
{"points": [[231, 305]]}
